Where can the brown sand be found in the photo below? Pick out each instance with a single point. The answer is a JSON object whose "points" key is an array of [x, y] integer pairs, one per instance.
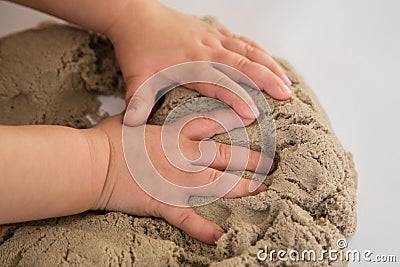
{"points": [[52, 74]]}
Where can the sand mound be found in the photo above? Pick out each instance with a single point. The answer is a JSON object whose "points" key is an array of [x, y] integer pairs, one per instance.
{"points": [[51, 75]]}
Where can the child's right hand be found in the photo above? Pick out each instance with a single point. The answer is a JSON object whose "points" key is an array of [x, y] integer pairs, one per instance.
{"points": [[121, 193]]}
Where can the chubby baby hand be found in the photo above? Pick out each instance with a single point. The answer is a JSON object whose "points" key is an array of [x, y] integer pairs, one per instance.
{"points": [[122, 192], [149, 37]]}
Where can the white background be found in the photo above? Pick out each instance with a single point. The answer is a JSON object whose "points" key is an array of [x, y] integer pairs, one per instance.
{"points": [[348, 51]]}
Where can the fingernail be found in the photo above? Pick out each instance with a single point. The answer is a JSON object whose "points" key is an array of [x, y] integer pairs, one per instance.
{"points": [[255, 187], [263, 188], [272, 168], [131, 110], [218, 234], [287, 80], [285, 89], [129, 118], [254, 110]]}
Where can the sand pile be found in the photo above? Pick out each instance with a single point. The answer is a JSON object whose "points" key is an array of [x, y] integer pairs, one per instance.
{"points": [[52, 74]]}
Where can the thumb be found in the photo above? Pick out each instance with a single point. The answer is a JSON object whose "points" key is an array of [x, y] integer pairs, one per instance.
{"points": [[192, 223], [141, 102]]}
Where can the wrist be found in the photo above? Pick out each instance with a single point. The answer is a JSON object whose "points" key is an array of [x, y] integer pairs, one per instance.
{"points": [[99, 148], [132, 14]]}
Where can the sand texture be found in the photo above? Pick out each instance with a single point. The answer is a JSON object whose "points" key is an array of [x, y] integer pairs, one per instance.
{"points": [[51, 75]]}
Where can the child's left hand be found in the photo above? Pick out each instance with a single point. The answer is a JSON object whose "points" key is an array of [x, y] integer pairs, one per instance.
{"points": [[149, 37]]}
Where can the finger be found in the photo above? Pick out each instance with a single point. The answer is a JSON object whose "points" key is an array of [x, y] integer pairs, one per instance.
{"points": [[229, 34], [141, 103], [228, 91], [206, 125], [246, 187], [228, 157], [252, 43], [192, 223], [212, 182], [261, 75], [247, 50], [228, 97]]}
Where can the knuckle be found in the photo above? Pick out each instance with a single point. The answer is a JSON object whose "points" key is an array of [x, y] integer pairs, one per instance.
{"points": [[183, 218], [272, 64], [211, 42], [248, 49], [138, 97], [226, 32], [219, 55], [213, 175], [252, 43], [223, 154], [242, 62]]}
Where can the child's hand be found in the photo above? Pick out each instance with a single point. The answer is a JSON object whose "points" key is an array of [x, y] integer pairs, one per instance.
{"points": [[121, 193], [149, 37]]}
